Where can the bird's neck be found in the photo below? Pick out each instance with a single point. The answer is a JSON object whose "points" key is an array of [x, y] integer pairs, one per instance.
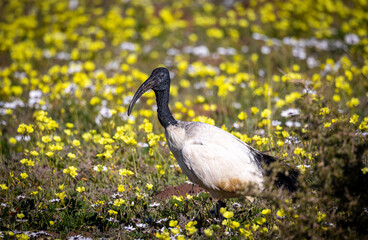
{"points": [[164, 114]]}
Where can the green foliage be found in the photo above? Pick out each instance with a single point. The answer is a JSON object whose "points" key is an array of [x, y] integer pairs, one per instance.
{"points": [[288, 78]]}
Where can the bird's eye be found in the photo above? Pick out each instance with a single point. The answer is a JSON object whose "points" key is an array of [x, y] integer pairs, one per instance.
{"points": [[162, 74]]}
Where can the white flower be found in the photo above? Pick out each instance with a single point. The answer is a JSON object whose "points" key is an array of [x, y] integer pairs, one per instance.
{"points": [[226, 51], [290, 112], [70, 88], [73, 4], [309, 91], [237, 125], [13, 105], [155, 204], [141, 225], [22, 138], [128, 46], [173, 51], [299, 52], [291, 140], [129, 228], [236, 105], [351, 39], [142, 144], [162, 220], [303, 166], [105, 112], [265, 50], [293, 124], [78, 237], [276, 123]]}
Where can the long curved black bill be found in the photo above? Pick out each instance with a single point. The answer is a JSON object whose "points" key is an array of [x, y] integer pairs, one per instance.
{"points": [[147, 85]]}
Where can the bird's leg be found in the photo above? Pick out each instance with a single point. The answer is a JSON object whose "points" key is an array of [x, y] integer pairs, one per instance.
{"points": [[192, 190], [220, 204]]}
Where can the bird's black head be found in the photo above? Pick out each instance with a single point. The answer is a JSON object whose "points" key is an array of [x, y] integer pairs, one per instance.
{"points": [[161, 77], [158, 81]]}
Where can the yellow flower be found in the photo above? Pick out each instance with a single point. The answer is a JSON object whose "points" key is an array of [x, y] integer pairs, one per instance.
{"points": [[22, 236], [119, 202], [173, 223], [354, 119], [61, 195], [280, 143], [49, 154], [131, 59], [149, 186], [76, 142], [71, 155], [234, 224], [3, 186], [254, 110], [34, 153], [298, 151], [228, 214], [242, 116], [112, 212], [266, 211], [208, 232], [255, 227], [215, 33], [23, 128], [89, 66], [175, 230], [8, 111], [260, 220], [124, 172], [24, 175], [336, 98], [69, 125], [20, 215], [321, 216], [281, 213], [80, 189], [94, 101], [327, 125], [191, 230], [146, 126], [46, 139], [57, 138], [244, 232], [121, 188], [353, 102], [254, 57], [12, 140], [72, 171], [51, 223], [324, 111], [266, 113]]}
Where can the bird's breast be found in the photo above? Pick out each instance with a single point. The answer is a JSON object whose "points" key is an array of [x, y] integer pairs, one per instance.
{"points": [[175, 137]]}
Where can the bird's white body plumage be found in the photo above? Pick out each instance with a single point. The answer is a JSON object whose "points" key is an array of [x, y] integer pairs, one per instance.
{"points": [[214, 159]]}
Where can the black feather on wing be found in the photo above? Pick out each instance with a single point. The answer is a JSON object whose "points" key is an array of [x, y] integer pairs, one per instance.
{"points": [[287, 179]]}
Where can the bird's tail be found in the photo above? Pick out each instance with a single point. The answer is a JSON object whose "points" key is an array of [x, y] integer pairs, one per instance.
{"points": [[287, 179]]}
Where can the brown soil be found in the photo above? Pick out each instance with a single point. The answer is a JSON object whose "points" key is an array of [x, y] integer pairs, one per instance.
{"points": [[181, 190]]}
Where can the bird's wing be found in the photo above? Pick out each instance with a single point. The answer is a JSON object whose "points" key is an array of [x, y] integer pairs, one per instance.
{"points": [[218, 160]]}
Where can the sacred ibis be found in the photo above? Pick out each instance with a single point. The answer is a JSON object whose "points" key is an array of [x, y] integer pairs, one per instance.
{"points": [[211, 157]]}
